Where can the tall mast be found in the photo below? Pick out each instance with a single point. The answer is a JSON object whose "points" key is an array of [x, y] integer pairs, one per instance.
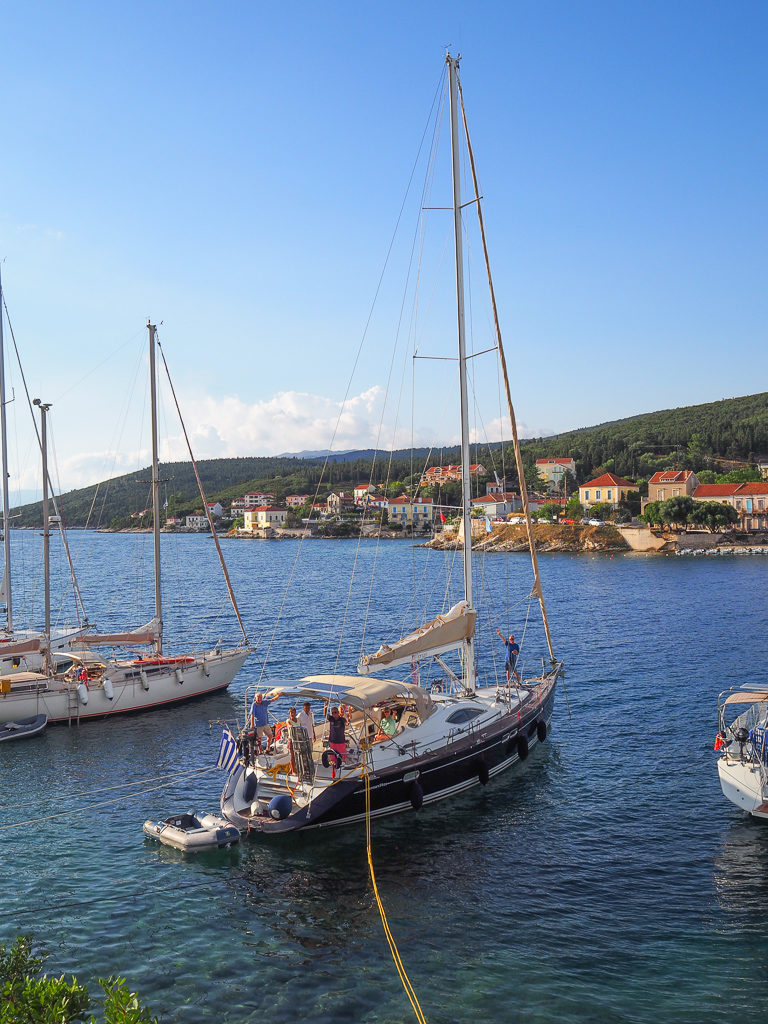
{"points": [[453, 69], [155, 489], [46, 527], [5, 589]]}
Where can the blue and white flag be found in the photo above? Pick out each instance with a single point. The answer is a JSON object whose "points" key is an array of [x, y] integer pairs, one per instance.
{"points": [[488, 527], [227, 751]]}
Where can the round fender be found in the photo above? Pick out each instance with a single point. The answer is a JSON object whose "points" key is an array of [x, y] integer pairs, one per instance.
{"points": [[522, 747], [416, 794], [482, 772], [249, 788], [280, 806], [541, 730]]}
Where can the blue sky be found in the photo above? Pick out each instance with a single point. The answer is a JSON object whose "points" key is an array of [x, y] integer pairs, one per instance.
{"points": [[236, 171]]}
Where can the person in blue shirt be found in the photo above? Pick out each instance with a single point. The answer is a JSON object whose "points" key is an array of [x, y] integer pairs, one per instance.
{"points": [[513, 650], [260, 721]]}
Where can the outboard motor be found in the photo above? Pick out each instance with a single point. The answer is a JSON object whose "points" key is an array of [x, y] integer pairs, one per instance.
{"points": [[742, 738]]}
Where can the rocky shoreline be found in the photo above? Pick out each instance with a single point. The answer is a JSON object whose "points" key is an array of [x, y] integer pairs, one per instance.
{"points": [[579, 538]]}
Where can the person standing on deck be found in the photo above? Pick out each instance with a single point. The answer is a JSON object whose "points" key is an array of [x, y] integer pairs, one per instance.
{"points": [[513, 650], [307, 721], [337, 736], [260, 721]]}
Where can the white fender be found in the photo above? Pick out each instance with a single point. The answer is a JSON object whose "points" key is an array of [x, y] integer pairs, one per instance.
{"points": [[144, 680], [179, 676], [109, 690], [82, 693]]}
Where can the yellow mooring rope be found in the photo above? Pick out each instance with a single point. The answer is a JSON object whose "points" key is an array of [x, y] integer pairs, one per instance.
{"points": [[409, 991]]}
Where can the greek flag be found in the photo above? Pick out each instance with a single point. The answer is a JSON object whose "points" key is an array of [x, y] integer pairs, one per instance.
{"points": [[227, 751], [488, 527]]}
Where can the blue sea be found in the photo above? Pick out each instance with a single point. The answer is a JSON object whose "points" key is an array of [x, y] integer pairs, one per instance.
{"points": [[607, 880]]}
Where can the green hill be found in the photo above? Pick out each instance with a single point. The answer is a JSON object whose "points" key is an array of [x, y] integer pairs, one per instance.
{"points": [[715, 436]]}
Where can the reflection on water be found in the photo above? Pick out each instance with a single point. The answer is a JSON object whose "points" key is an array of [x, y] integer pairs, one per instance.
{"points": [[741, 874]]}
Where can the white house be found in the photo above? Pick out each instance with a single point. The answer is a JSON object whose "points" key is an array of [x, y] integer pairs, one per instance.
{"points": [[196, 522], [497, 504], [215, 509]]}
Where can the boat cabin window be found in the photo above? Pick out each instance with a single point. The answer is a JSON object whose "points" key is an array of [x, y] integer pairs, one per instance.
{"points": [[463, 715]]}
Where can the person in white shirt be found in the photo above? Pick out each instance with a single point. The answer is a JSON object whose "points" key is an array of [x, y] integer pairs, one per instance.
{"points": [[307, 721]]}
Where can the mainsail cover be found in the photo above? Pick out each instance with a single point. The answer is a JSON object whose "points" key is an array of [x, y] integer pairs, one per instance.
{"points": [[143, 635], [445, 633]]}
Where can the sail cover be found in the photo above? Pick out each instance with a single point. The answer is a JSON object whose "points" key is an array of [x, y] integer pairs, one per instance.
{"points": [[445, 633], [143, 635]]}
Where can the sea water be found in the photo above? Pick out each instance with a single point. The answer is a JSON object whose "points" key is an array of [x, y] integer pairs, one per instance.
{"points": [[607, 880]]}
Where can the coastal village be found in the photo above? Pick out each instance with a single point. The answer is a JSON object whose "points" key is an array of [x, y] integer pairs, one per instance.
{"points": [[642, 515]]}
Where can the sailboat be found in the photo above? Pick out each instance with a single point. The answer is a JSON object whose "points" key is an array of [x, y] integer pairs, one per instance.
{"points": [[405, 745], [21, 649], [91, 686]]}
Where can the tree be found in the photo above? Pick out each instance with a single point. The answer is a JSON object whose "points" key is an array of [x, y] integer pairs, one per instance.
{"points": [[652, 514], [599, 510], [29, 997], [675, 511], [713, 515], [573, 508]]}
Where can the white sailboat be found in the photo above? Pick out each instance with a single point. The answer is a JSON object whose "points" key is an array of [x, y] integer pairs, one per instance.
{"points": [[96, 687], [447, 738], [21, 650], [742, 741]]}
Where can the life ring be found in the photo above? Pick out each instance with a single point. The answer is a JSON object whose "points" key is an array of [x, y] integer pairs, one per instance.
{"points": [[482, 772], [541, 730], [416, 794], [326, 758], [522, 748]]}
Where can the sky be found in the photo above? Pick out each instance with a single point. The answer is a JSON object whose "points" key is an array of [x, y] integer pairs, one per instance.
{"points": [[236, 172]]}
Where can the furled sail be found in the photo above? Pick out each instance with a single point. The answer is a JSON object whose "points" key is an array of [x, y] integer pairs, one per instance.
{"points": [[143, 635], [445, 633]]}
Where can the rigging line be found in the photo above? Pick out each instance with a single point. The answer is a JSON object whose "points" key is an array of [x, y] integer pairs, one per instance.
{"points": [[409, 990], [183, 776], [232, 597], [351, 377], [391, 367], [512, 418], [93, 807], [40, 446]]}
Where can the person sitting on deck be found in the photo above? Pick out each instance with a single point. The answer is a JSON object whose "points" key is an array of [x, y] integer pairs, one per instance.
{"points": [[387, 726]]}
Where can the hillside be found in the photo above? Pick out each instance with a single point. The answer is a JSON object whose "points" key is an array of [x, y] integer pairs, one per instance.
{"points": [[716, 435]]}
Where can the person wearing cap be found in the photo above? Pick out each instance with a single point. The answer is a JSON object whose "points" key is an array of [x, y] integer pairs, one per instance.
{"points": [[513, 649], [260, 721]]}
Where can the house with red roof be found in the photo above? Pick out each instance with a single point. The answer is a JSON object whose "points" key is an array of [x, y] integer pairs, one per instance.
{"points": [[410, 511], [607, 489], [750, 500], [672, 483]]}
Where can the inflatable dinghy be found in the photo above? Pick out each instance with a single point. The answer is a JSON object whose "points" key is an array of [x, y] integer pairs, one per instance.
{"points": [[23, 728], [193, 832]]}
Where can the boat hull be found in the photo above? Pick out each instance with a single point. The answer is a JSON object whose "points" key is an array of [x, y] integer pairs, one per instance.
{"points": [[741, 782], [411, 783], [133, 688]]}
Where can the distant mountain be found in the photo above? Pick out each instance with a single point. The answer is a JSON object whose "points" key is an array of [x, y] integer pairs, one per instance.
{"points": [[716, 435]]}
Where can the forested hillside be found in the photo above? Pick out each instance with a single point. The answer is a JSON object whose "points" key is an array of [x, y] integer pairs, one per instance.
{"points": [[715, 436]]}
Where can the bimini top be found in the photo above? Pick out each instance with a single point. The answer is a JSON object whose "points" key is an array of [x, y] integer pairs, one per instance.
{"points": [[360, 693], [746, 697]]}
